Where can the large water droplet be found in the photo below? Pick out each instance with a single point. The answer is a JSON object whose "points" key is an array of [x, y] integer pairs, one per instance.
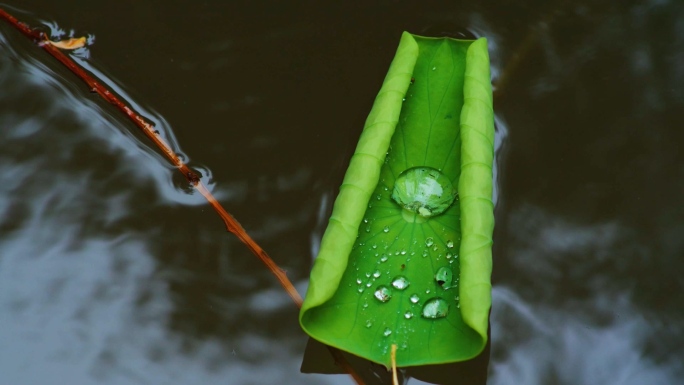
{"points": [[400, 282], [435, 308], [424, 190], [383, 293], [444, 276], [414, 298]]}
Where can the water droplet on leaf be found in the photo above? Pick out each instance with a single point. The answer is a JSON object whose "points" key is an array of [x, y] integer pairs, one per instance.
{"points": [[444, 277], [387, 332], [400, 282], [424, 190], [383, 293], [435, 308], [429, 241], [414, 298], [386, 229]]}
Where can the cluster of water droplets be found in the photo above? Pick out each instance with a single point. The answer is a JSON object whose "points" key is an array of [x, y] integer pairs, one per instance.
{"points": [[427, 192]]}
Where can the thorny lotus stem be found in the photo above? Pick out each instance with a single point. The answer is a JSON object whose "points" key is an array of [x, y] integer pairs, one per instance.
{"points": [[232, 225]]}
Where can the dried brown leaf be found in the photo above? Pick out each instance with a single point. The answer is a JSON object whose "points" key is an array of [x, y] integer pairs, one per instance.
{"points": [[72, 43]]}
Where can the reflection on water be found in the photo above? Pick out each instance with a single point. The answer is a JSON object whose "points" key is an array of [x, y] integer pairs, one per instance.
{"points": [[91, 289], [112, 271], [572, 325]]}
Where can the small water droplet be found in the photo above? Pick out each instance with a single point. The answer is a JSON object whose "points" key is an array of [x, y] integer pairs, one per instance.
{"points": [[360, 290], [429, 241], [358, 281], [425, 253], [435, 248], [376, 274], [435, 308], [403, 252], [365, 220], [400, 282], [368, 229], [427, 291], [374, 246], [414, 298], [386, 229], [450, 244], [403, 99], [368, 275], [383, 258], [387, 332], [368, 284], [383, 293], [365, 305], [369, 323], [444, 276], [448, 256], [408, 314], [378, 197], [434, 68]]}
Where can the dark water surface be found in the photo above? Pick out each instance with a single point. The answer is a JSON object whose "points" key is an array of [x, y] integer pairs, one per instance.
{"points": [[113, 271]]}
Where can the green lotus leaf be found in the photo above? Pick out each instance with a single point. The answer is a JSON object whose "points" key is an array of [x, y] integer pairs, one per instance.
{"points": [[406, 257]]}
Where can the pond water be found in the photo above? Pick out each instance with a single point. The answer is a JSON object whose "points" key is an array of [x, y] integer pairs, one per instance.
{"points": [[114, 271]]}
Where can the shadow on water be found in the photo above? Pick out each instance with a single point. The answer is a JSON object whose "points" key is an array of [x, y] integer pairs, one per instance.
{"points": [[112, 271]]}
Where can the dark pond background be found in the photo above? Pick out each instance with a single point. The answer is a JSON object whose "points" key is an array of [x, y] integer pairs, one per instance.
{"points": [[113, 271]]}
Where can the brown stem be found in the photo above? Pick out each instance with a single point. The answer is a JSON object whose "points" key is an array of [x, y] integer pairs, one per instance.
{"points": [[232, 225]]}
